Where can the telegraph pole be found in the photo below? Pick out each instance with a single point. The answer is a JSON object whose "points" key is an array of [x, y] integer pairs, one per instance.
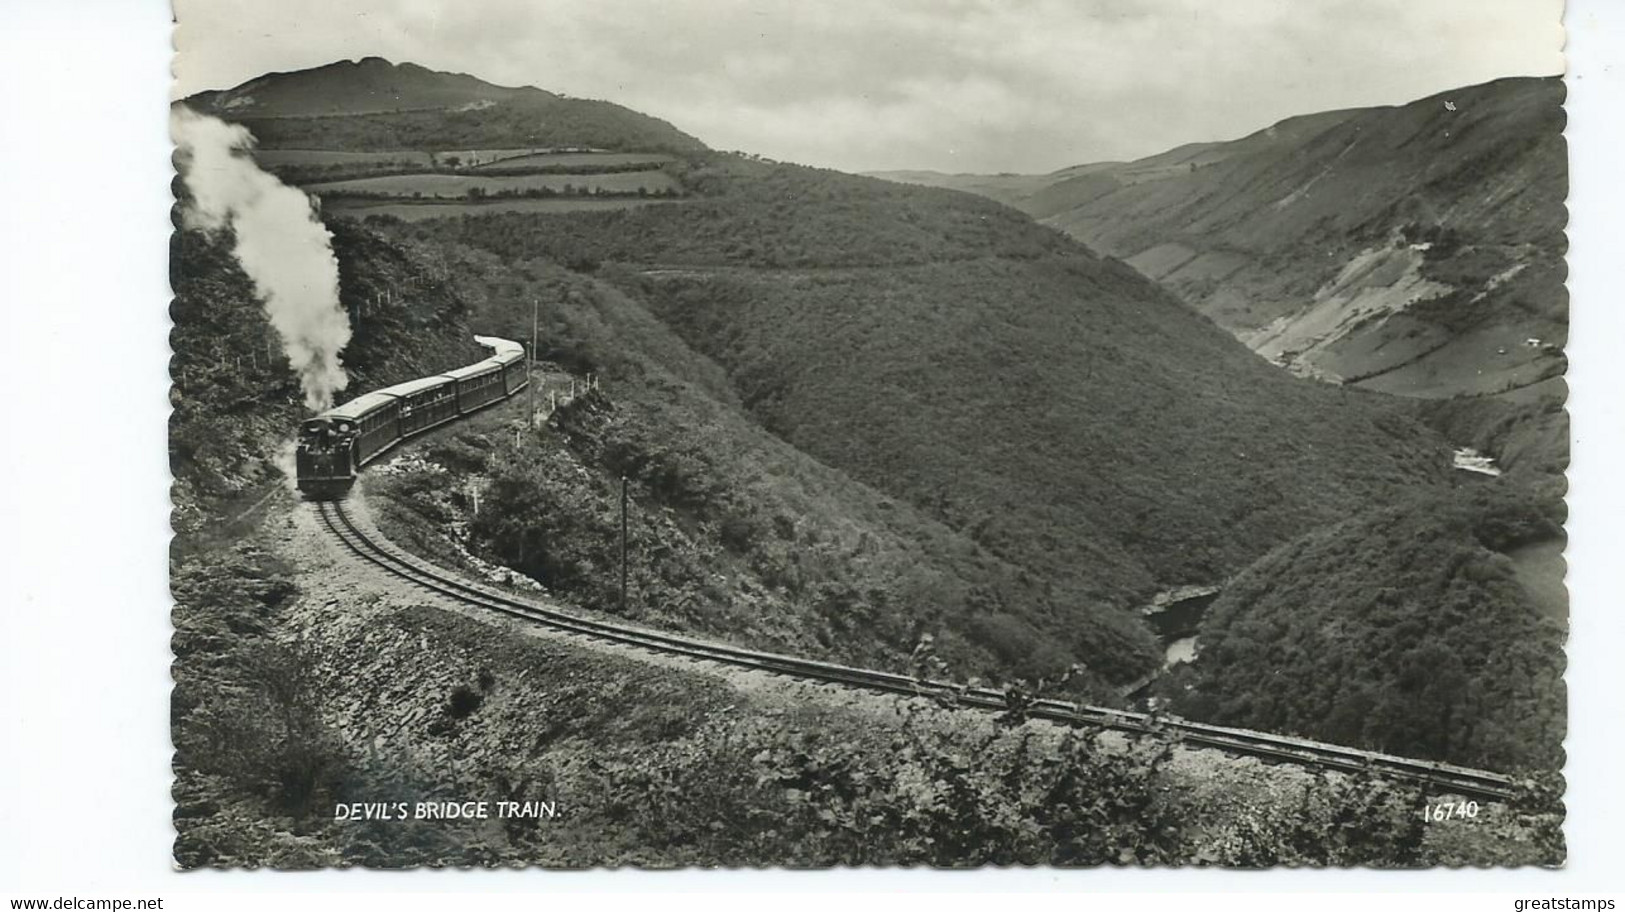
{"points": [[623, 546], [530, 370]]}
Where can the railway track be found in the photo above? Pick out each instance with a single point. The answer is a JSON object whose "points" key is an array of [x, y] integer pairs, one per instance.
{"points": [[1444, 778]]}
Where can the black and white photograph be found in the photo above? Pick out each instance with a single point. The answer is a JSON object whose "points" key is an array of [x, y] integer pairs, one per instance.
{"points": [[493, 452], [818, 435]]}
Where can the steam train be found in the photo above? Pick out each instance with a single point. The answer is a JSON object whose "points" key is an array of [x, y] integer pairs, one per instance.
{"points": [[334, 445]]}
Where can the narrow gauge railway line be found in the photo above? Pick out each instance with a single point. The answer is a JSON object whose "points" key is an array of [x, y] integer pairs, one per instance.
{"points": [[1448, 778]]}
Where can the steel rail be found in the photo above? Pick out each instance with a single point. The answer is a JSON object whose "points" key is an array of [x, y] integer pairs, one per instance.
{"points": [[379, 551]]}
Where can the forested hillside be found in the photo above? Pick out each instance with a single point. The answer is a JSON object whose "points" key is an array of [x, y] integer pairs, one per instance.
{"points": [[1407, 629], [736, 533], [1062, 410]]}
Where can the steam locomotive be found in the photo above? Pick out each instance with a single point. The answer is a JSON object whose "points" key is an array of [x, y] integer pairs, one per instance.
{"points": [[334, 445]]}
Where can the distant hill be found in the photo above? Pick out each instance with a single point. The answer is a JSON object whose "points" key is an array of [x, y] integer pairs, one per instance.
{"points": [[1413, 249], [371, 85], [373, 105]]}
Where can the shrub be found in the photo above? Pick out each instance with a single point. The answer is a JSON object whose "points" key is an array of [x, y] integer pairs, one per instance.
{"points": [[464, 700]]}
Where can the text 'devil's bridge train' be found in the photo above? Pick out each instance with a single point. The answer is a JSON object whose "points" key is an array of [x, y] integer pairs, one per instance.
{"points": [[338, 442]]}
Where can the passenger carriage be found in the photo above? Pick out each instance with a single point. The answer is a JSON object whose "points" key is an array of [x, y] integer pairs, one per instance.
{"points": [[334, 445], [478, 385], [425, 403], [514, 374]]}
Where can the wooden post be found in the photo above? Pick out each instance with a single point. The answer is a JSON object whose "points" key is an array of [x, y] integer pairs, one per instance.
{"points": [[623, 545], [530, 371]]}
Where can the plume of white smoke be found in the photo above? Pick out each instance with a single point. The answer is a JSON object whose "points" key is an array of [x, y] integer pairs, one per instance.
{"points": [[280, 243]]}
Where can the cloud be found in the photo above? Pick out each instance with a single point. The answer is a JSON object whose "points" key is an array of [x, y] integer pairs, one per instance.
{"points": [[984, 85]]}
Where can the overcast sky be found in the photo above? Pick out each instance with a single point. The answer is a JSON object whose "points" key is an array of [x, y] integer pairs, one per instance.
{"points": [[952, 85]]}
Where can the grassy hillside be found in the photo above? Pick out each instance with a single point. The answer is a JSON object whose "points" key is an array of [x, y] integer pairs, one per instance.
{"points": [[1405, 630], [1412, 249]]}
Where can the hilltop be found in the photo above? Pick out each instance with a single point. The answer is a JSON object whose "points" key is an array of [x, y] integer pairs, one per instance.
{"points": [[371, 85], [373, 105], [1414, 249]]}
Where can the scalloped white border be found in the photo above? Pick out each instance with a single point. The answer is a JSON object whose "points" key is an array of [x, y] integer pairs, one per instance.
{"points": [[84, 593]]}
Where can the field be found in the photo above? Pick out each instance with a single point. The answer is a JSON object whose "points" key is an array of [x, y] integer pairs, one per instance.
{"points": [[419, 211], [584, 162], [557, 162], [609, 172], [460, 186], [279, 158]]}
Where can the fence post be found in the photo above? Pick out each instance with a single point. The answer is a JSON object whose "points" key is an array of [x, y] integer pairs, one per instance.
{"points": [[623, 545]]}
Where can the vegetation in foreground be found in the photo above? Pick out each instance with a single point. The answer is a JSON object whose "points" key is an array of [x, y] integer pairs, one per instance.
{"points": [[1405, 630], [383, 700]]}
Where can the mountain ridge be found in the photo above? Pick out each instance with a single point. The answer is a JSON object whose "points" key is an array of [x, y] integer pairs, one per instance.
{"points": [[1410, 248], [350, 87]]}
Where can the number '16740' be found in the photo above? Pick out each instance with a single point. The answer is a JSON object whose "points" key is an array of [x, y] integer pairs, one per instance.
{"points": [[1449, 810]]}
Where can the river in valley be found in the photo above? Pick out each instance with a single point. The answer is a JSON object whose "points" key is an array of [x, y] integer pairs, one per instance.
{"points": [[1174, 616]]}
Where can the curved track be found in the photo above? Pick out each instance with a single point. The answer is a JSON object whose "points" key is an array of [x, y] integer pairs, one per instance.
{"points": [[1444, 778]]}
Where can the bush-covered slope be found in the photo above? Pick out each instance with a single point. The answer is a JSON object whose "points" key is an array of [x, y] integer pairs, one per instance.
{"points": [[651, 764], [1061, 410], [1529, 440], [1406, 630], [735, 533], [1067, 416]]}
